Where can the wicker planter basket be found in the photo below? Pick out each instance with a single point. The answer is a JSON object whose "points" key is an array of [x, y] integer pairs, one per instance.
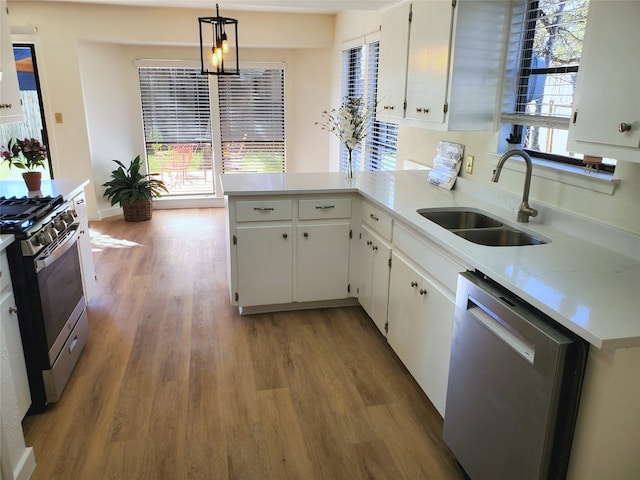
{"points": [[137, 211]]}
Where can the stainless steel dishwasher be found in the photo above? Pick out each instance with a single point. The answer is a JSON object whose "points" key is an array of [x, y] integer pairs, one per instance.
{"points": [[514, 386]]}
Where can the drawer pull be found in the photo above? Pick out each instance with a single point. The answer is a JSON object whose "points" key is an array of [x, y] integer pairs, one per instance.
{"points": [[324, 207], [284, 235], [12, 310], [423, 291], [414, 284], [306, 234], [373, 217], [73, 344], [263, 209]]}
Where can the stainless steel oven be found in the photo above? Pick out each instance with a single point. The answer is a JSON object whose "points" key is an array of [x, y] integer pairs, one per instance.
{"points": [[47, 283]]}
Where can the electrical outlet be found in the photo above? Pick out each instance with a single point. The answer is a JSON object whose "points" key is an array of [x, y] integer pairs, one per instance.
{"points": [[469, 168]]}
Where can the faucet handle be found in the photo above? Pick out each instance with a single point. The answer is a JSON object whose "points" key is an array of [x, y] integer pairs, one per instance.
{"points": [[525, 211]]}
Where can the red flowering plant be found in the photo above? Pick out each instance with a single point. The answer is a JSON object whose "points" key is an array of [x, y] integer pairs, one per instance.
{"points": [[26, 154]]}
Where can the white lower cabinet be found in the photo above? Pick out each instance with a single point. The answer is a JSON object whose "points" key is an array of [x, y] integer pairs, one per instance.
{"points": [[322, 261], [291, 249], [420, 327], [264, 264], [373, 288]]}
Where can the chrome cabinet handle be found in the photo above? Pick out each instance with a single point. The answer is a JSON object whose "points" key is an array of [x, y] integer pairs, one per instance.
{"points": [[324, 207], [414, 284], [263, 209], [624, 127]]}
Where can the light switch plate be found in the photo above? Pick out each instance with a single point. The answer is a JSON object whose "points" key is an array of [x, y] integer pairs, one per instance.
{"points": [[469, 168]]}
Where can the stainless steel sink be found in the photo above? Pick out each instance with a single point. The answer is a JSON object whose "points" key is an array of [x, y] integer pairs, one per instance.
{"points": [[454, 219], [500, 237], [481, 228]]}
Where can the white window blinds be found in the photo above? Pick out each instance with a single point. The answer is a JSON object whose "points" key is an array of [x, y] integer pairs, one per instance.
{"points": [[353, 78], [175, 105], [252, 128], [544, 51], [382, 137], [360, 80]]}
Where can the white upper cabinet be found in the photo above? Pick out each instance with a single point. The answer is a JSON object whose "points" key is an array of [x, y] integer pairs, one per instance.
{"points": [[394, 42], [606, 118], [10, 104], [444, 59]]}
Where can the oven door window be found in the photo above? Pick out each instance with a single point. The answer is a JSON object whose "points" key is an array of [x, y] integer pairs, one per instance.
{"points": [[60, 291]]}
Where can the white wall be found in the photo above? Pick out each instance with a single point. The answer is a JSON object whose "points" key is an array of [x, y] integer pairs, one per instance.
{"points": [[86, 57], [619, 210]]}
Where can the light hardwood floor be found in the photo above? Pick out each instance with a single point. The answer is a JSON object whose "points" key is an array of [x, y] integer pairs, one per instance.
{"points": [[174, 384]]}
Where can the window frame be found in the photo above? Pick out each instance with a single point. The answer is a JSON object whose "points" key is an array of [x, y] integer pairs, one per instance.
{"points": [[368, 153], [516, 123]]}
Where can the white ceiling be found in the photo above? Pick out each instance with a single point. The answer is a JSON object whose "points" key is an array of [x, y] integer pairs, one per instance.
{"points": [[305, 6]]}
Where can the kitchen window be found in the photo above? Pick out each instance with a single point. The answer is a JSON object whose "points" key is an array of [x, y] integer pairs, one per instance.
{"points": [[360, 79], [252, 126], [176, 117], [543, 56], [179, 121]]}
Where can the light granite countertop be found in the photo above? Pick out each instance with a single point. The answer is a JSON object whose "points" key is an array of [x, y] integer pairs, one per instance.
{"points": [[587, 278]]}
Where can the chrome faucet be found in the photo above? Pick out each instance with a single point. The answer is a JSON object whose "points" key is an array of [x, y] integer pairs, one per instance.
{"points": [[524, 211]]}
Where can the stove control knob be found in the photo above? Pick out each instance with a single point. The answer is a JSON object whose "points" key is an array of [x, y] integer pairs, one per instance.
{"points": [[43, 238], [52, 232], [68, 217], [59, 224]]}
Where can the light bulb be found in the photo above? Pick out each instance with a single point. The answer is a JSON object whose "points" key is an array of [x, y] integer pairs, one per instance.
{"points": [[214, 57], [219, 54], [225, 43]]}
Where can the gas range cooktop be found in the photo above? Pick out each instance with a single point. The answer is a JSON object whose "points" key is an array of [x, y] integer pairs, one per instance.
{"points": [[17, 215]]}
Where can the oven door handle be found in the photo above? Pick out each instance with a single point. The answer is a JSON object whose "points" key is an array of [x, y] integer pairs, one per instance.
{"points": [[60, 249]]}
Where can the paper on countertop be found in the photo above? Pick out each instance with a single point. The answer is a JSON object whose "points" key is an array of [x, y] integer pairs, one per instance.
{"points": [[446, 164]]}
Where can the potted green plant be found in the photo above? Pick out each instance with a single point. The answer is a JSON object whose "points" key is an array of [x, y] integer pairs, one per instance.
{"points": [[27, 154], [133, 191]]}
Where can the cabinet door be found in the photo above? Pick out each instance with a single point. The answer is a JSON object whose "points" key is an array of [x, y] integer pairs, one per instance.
{"points": [[405, 308], [392, 71], [428, 63], [12, 366], [322, 263], [264, 264], [366, 272], [607, 91], [420, 328], [10, 104], [436, 330]]}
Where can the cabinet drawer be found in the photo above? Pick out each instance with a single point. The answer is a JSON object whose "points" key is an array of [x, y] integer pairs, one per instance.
{"points": [[324, 208], [5, 278], [377, 220], [264, 210], [438, 265]]}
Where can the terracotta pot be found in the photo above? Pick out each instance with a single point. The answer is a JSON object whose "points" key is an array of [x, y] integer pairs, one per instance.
{"points": [[33, 180]]}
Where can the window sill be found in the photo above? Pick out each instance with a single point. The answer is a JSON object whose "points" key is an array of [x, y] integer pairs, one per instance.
{"points": [[568, 174]]}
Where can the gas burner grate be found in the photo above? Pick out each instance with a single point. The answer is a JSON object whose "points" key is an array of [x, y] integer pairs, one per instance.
{"points": [[19, 214]]}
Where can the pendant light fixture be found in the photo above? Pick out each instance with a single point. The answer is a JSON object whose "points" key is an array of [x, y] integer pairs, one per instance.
{"points": [[215, 53]]}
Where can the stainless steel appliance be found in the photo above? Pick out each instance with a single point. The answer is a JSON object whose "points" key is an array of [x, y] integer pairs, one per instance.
{"points": [[514, 386], [45, 271]]}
